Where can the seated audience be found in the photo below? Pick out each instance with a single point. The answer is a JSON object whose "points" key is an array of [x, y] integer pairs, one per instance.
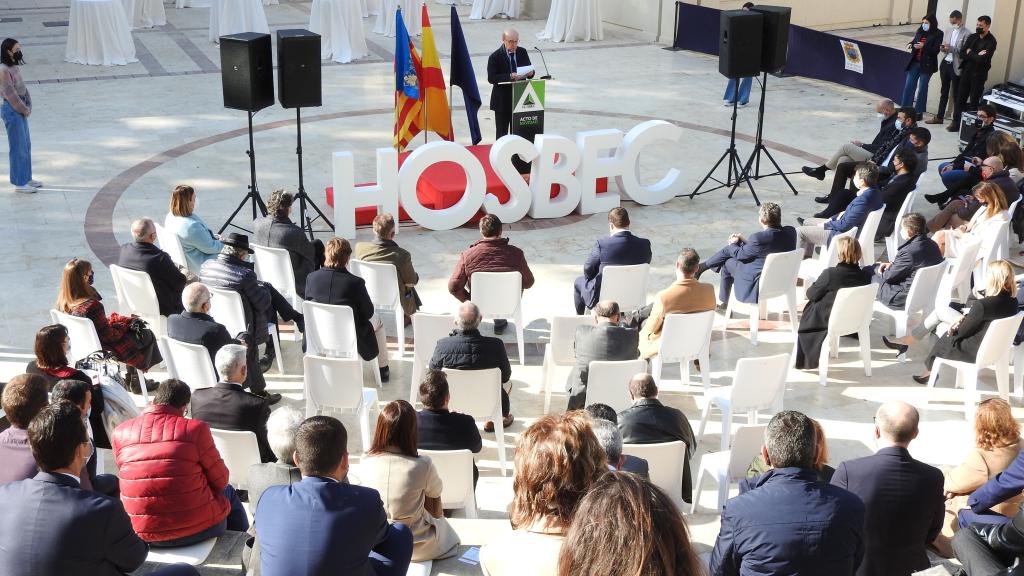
{"points": [[23, 397], [439, 429], [990, 549], [606, 340], [408, 483], [281, 428], [335, 284], [629, 463], [984, 502], [466, 349], [857, 151], [790, 522], [51, 526], [174, 484], [896, 190], [996, 446], [903, 500], [741, 261], [323, 526], [197, 240], [648, 421], [684, 296], [228, 406], [610, 438], [760, 465], [819, 232], [276, 230], [1006, 147], [626, 526], [960, 210], [620, 248], [385, 250], [558, 460], [80, 394], [144, 255], [963, 172], [821, 295], [491, 253], [918, 251]]}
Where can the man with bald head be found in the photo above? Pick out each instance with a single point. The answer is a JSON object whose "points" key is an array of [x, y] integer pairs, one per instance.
{"points": [[502, 68], [903, 499], [142, 254]]}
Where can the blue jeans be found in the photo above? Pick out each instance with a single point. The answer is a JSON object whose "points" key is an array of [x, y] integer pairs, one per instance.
{"points": [[953, 177], [966, 517], [392, 556], [19, 143], [916, 80], [730, 90], [236, 521]]}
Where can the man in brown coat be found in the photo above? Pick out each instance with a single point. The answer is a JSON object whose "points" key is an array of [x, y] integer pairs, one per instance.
{"points": [[384, 249], [491, 253], [684, 296]]}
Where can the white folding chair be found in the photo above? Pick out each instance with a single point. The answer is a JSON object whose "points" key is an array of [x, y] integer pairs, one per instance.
{"points": [[85, 341], [478, 393], [730, 465], [811, 268], [136, 295], [499, 295], [666, 461], [239, 450], [338, 383], [778, 280], [427, 329], [455, 467], [625, 285], [226, 307], [920, 298], [994, 352], [193, 555], [171, 243], [331, 332], [559, 351], [274, 266], [851, 313], [866, 237], [385, 293], [893, 241], [684, 338], [608, 382], [758, 384], [189, 363]]}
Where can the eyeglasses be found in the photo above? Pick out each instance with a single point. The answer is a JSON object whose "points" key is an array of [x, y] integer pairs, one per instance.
{"points": [[982, 116]]}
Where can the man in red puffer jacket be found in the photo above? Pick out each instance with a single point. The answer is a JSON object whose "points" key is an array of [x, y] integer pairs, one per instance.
{"points": [[174, 484]]}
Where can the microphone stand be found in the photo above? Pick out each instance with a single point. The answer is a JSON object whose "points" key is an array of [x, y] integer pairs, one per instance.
{"points": [[547, 73]]}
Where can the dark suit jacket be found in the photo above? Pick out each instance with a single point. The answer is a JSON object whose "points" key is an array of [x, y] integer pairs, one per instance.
{"points": [[198, 328], [751, 255], [228, 407], [965, 343], [599, 342], [499, 69], [635, 465], [977, 146], [319, 527], [621, 249], [340, 287], [918, 252], [444, 430], [904, 509], [929, 52], [894, 193], [973, 62], [168, 281], [648, 421], [51, 526], [856, 213], [886, 130], [283, 233]]}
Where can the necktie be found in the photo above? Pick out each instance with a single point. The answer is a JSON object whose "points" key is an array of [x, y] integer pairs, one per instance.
{"points": [[512, 58]]}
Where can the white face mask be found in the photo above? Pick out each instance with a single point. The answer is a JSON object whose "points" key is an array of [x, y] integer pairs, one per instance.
{"points": [[880, 115]]}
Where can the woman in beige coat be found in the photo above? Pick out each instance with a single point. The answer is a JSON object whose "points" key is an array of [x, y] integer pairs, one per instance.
{"points": [[997, 442], [408, 483]]}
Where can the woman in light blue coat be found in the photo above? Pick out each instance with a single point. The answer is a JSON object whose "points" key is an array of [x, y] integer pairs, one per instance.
{"points": [[198, 241]]}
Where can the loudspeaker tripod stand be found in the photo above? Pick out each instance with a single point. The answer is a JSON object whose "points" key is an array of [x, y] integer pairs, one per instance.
{"points": [[759, 148], [302, 197], [253, 196], [734, 166]]}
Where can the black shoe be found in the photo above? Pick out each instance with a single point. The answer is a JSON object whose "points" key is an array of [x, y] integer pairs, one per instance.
{"points": [[818, 172], [499, 327], [935, 198], [899, 348], [266, 362], [920, 379], [821, 199], [799, 221], [822, 214], [270, 398], [385, 373]]}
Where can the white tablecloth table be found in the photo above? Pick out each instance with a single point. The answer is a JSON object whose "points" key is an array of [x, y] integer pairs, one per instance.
{"points": [[487, 9], [571, 20], [410, 14], [455, 2], [340, 26], [98, 34], [235, 17], [145, 13]]}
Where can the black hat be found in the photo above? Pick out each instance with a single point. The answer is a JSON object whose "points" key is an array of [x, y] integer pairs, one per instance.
{"points": [[240, 241]]}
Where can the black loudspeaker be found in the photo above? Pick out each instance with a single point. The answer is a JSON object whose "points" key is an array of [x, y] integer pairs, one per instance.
{"points": [[739, 49], [298, 68], [775, 41], [247, 71]]}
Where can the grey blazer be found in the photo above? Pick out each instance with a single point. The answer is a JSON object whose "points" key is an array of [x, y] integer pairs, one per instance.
{"points": [[955, 50], [283, 233], [263, 476], [601, 342]]}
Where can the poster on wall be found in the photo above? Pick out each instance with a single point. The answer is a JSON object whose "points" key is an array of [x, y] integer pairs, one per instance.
{"points": [[851, 53]]}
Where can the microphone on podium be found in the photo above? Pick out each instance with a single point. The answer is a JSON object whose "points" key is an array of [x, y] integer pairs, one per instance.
{"points": [[547, 73]]}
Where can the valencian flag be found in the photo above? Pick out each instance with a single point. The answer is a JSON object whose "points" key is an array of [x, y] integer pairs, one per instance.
{"points": [[437, 118], [462, 75], [408, 106]]}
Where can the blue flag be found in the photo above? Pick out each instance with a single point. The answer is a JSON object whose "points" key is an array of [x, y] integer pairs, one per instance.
{"points": [[462, 75], [406, 78]]}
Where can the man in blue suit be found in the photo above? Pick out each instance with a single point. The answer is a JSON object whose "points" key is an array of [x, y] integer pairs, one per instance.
{"points": [[321, 526], [740, 262], [620, 248], [817, 231]]}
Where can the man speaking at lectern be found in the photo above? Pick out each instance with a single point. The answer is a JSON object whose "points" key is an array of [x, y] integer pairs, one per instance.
{"points": [[501, 67]]}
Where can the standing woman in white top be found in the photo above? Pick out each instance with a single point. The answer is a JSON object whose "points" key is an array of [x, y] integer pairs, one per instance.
{"points": [[16, 109]]}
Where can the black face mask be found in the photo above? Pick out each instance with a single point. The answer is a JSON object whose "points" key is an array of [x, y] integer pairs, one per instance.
{"points": [[17, 57], [979, 30]]}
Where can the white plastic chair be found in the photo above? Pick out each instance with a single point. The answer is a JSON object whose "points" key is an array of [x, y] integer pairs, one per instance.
{"points": [[136, 295], [625, 285], [559, 352], [684, 338], [994, 352], [608, 382], [955, 284], [666, 461], [851, 313], [239, 450], [478, 393], [811, 268], [189, 363], [427, 329], [455, 467], [171, 243], [499, 295], [730, 465], [778, 280], [866, 237], [994, 246], [193, 555], [226, 307], [758, 384], [331, 332], [274, 266], [920, 298], [338, 383], [385, 293], [85, 341], [893, 241]]}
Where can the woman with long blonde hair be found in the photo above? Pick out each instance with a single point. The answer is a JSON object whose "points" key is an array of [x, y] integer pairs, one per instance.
{"points": [[993, 212]]}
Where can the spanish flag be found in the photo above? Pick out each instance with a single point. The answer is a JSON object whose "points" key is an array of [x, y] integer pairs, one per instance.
{"points": [[408, 71], [437, 118]]}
